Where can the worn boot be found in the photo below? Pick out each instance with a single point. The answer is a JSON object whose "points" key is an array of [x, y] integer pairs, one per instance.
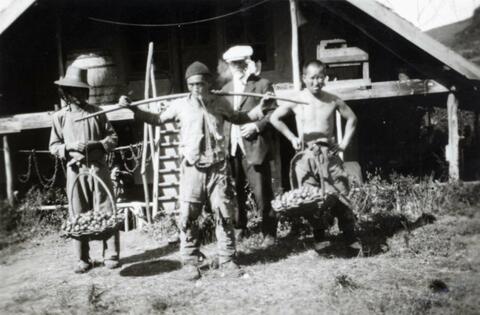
{"points": [[83, 266], [321, 242], [268, 241], [352, 242], [112, 263]]}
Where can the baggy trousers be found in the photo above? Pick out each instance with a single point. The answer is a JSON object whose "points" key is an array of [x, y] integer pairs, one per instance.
{"points": [[315, 162], [82, 199], [197, 187]]}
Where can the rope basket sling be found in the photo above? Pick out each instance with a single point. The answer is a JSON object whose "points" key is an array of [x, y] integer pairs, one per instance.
{"points": [[306, 206], [104, 232]]}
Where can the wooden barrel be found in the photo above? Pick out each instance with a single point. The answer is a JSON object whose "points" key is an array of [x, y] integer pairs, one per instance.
{"points": [[102, 75]]}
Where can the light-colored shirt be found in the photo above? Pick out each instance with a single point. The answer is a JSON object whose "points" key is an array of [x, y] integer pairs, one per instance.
{"points": [[65, 130], [201, 122]]}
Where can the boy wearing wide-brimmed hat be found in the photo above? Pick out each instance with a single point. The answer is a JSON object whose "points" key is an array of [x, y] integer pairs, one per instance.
{"points": [[203, 170], [84, 145]]}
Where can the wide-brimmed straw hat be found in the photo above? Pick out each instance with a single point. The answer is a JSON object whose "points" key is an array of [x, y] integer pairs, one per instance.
{"points": [[75, 77]]}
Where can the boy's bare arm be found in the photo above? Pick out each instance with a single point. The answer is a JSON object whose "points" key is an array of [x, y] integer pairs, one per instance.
{"points": [[351, 125], [276, 120]]}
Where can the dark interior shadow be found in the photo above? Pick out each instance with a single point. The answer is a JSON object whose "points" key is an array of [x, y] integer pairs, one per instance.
{"points": [[151, 254], [150, 268]]}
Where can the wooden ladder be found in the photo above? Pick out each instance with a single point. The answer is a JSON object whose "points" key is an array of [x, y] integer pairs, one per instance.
{"points": [[166, 169]]}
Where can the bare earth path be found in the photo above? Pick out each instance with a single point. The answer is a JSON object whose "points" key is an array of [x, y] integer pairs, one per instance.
{"points": [[433, 269]]}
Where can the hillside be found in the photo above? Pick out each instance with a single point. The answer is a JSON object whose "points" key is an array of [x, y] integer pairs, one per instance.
{"points": [[463, 37]]}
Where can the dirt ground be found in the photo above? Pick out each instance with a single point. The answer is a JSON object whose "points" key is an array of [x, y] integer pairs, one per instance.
{"points": [[432, 269]]}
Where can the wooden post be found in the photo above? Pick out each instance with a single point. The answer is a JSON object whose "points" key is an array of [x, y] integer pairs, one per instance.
{"points": [[295, 59], [61, 69], [452, 150], [146, 135], [339, 130], [8, 170], [156, 152]]}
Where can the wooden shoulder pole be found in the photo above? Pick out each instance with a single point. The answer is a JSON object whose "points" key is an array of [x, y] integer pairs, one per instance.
{"points": [[452, 150], [8, 169]]}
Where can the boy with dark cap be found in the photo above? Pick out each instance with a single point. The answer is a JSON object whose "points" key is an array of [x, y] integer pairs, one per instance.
{"points": [[203, 170], [84, 144]]}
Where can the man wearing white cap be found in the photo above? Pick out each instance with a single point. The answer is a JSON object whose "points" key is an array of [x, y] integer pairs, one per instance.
{"points": [[248, 144]]}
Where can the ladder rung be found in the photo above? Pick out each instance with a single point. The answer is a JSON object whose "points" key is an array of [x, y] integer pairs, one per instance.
{"points": [[167, 198], [164, 185], [168, 157], [169, 131], [169, 144], [169, 171]]}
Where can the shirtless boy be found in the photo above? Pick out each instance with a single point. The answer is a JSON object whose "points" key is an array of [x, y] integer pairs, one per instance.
{"points": [[315, 124]]}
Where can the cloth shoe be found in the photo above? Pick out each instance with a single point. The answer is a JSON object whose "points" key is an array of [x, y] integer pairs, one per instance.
{"points": [[83, 266], [231, 270], [112, 263], [268, 241], [189, 272], [239, 235]]}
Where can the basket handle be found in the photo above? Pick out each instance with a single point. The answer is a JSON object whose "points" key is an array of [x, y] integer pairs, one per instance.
{"points": [[91, 172], [293, 179]]}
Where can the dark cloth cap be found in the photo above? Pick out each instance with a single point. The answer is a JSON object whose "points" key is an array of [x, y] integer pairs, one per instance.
{"points": [[197, 68]]}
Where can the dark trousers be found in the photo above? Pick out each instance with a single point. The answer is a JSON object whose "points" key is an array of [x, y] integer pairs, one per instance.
{"points": [[323, 219], [259, 179]]}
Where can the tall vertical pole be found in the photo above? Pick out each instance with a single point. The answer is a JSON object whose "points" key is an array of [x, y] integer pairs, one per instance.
{"points": [[156, 152], [452, 150], [295, 58], [8, 169], [61, 69], [146, 134]]}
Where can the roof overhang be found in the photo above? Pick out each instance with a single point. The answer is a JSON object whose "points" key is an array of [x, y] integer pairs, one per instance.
{"points": [[404, 39], [10, 10]]}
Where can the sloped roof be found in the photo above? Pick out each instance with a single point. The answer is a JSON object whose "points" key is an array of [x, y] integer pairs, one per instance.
{"points": [[10, 10], [405, 40]]}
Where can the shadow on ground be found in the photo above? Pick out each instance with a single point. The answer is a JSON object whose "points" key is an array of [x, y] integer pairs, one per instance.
{"points": [[373, 235], [151, 254], [150, 268]]}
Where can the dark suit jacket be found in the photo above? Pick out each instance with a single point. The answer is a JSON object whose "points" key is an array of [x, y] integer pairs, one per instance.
{"points": [[257, 148]]}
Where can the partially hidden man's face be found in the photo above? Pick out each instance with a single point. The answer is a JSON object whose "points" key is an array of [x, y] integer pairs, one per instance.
{"points": [[238, 67], [314, 78], [198, 85], [74, 95]]}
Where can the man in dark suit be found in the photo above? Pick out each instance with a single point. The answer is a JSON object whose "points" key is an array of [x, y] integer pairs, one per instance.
{"points": [[249, 144]]}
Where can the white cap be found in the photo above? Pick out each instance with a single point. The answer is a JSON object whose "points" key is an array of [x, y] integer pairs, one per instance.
{"points": [[238, 53]]}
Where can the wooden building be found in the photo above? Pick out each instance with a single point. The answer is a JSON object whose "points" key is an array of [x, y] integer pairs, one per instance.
{"points": [[406, 71]]}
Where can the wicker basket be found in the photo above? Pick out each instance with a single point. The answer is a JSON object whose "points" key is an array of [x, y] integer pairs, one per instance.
{"points": [[98, 234], [307, 207]]}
